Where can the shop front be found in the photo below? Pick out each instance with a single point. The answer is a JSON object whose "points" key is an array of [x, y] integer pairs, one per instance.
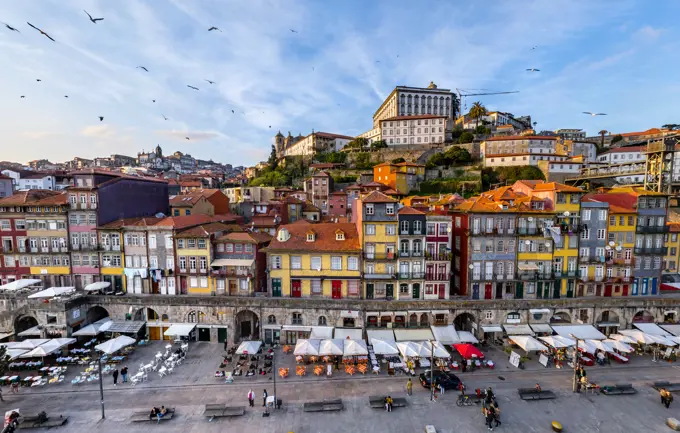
{"points": [[291, 333]]}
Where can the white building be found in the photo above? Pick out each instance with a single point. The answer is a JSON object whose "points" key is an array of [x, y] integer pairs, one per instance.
{"points": [[571, 133], [517, 159], [25, 180], [407, 130], [622, 155], [316, 142]]}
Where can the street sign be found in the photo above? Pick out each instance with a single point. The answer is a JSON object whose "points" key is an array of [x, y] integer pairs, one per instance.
{"points": [[514, 359]]}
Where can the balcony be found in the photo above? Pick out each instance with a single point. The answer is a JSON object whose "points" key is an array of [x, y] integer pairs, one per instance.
{"points": [[437, 277], [651, 229], [380, 256], [619, 280], [410, 275], [404, 253], [381, 276], [622, 261], [592, 278], [535, 275], [527, 231], [34, 250], [44, 249], [418, 253], [591, 259], [75, 247], [442, 257], [651, 251], [565, 274], [64, 249], [230, 272]]}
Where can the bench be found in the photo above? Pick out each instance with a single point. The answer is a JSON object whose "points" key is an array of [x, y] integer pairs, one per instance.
{"points": [[533, 394], [671, 387], [323, 406], [618, 389], [143, 415], [31, 421], [378, 402], [222, 410]]}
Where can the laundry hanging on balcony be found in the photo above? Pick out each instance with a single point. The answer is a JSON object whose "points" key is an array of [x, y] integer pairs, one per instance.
{"points": [[555, 233]]}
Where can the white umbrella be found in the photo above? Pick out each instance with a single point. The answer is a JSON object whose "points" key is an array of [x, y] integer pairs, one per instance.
{"points": [[331, 347], [662, 340], [414, 349], [439, 350], [623, 338], [355, 347], [15, 353], [99, 285], [382, 347], [528, 343], [307, 347], [64, 341], [30, 344], [619, 345], [557, 341], [31, 332], [674, 339], [115, 344], [248, 347], [600, 345], [587, 346], [638, 336], [42, 350], [52, 292], [467, 337]]}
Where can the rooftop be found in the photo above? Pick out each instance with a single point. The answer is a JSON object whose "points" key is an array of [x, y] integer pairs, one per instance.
{"points": [[325, 238], [522, 137], [377, 197]]}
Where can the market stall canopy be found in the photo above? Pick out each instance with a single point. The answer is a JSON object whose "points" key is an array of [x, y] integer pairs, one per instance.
{"points": [[19, 284], [413, 349], [52, 292], [445, 334], [558, 342], [541, 327], [439, 349], [467, 337], [331, 347], [31, 332], [99, 285], [345, 333], [63, 341], [601, 345], [518, 329], [321, 332], [639, 336], [30, 344], [307, 347], [623, 338], [384, 347], [492, 328], [673, 329], [296, 328], [468, 351], [587, 346], [93, 329], [651, 329], [413, 335], [231, 262], [381, 334], [528, 343], [4, 335], [115, 344], [354, 347], [618, 345], [43, 350], [248, 347], [582, 332], [15, 353], [663, 340], [180, 329]]}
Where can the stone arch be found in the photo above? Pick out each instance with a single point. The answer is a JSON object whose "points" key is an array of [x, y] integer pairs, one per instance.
{"points": [[96, 313], [24, 322], [146, 314], [271, 319], [247, 326], [413, 320], [424, 319], [323, 321], [670, 316], [165, 318], [643, 316], [195, 316], [608, 316], [560, 317], [464, 321]]}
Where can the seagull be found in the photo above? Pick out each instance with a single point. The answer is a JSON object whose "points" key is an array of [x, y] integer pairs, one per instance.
{"points": [[186, 138], [533, 70], [101, 118], [142, 67], [294, 31], [10, 27], [594, 114], [164, 118], [38, 79], [377, 61], [22, 96], [211, 82], [94, 20], [192, 87], [65, 96], [41, 32], [214, 28], [232, 112], [534, 47], [153, 100]]}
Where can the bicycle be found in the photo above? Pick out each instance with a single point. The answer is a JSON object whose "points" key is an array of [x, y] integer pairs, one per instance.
{"points": [[464, 400]]}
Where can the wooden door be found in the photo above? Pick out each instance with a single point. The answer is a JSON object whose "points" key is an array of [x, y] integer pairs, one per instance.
{"points": [[625, 290], [336, 289], [154, 332], [475, 291], [608, 290], [519, 291], [296, 289], [369, 290], [389, 290], [488, 292], [442, 291], [415, 291], [276, 287]]}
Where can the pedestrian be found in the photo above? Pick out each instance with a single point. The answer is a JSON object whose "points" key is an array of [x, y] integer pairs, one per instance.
{"points": [[389, 403], [124, 373], [409, 387], [489, 417], [496, 415], [464, 366], [337, 363], [115, 377], [666, 397], [461, 388], [441, 389], [15, 387], [1, 399], [225, 345], [251, 398], [264, 398]]}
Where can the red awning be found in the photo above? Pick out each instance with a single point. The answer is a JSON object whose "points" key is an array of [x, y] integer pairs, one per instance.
{"points": [[468, 351]]}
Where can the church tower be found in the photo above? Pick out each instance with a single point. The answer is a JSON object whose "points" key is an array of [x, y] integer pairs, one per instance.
{"points": [[278, 143], [159, 151]]}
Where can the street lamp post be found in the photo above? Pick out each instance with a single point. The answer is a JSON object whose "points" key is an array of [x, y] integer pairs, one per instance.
{"points": [[431, 371], [575, 380], [274, 372], [101, 384]]}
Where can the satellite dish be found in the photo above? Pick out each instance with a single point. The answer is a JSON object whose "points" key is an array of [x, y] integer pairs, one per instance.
{"points": [[567, 213], [607, 248], [530, 219], [527, 242], [612, 243], [619, 248]]}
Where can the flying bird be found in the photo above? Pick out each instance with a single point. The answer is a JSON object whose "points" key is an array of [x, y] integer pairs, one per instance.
{"points": [[65, 96], [164, 118], [214, 28], [270, 127], [94, 20], [11, 28], [153, 100], [533, 70], [534, 47], [594, 114], [101, 118], [22, 96], [41, 32], [211, 82], [377, 61], [192, 87], [294, 31], [232, 112], [142, 67], [38, 79], [186, 138]]}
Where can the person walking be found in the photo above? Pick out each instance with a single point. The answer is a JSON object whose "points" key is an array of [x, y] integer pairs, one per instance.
{"points": [[489, 417], [251, 398], [390, 402], [409, 387], [666, 397], [441, 389], [1, 399], [496, 415], [115, 377], [264, 398], [124, 373]]}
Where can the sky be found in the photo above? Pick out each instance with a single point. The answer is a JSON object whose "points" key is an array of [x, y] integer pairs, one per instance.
{"points": [[330, 74]]}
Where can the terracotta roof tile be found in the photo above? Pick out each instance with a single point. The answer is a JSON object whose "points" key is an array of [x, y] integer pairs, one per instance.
{"points": [[253, 238], [325, 239], [521, 137], [377, 197], [35, 197], [205, 230], [408, 210]]}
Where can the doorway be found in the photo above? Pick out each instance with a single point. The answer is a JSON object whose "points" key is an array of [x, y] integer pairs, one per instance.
{"points": [[336, 289], [276, 287], [487, 291], [389, 290], [296, 289], [204, 334], [415, 291], [221, 335], [369, 290]]}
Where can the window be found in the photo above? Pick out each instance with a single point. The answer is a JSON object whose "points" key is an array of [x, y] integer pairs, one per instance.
{"points": [[316, 287], [310, 237], [153, 262], [276, 262], [586, 214], [601, 234], [390, 229], [389, 209], [602, 215], [295, 262], [182, 263], [297, 319], [168, 241], [201, 244], [203, 282], [271, 319], [430, 229], [203, 262], [315, 263], [191, 243], [612, 220], [336, 263], [248, 248], [370, 210], [180, 244], [353, 287], [238, 248], [170, 262], [404, 226], [115, 261], [192, 263], [417, 226], [352, 264], [585, 234], [370, 229], [229, 248]]}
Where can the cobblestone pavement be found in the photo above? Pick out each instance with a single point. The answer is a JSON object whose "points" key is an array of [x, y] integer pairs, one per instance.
{"points": [[578, 413]]}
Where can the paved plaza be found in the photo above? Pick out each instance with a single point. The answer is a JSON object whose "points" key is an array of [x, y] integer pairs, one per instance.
{"points": [[192, 386]]}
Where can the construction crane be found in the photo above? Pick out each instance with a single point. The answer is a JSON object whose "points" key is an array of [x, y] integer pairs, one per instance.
{"points": [[463, 93]]}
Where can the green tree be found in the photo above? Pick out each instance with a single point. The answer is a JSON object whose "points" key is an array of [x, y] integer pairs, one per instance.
{"points": [[398, 160], [602, 133], [273, 160], [458, 155], [481, 129], [358, 143], [616, 138], [363, 161], [466, 137], [379, 144], [477, 111]]}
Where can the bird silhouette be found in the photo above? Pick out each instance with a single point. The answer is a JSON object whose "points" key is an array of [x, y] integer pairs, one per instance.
{"points": [[211, 82], [164, 118], [313, 68], [377, 61], [65, 96], [186, 138], [214, 28], [22, 96], [10, 27], [294, 31], [270, 127], [142, 67], [594, 114], [153, 100], [534, 47], [101, 118], [94, 20], [38, 79], [192, 87], [41, 32], [232, 112], [533, 70]]}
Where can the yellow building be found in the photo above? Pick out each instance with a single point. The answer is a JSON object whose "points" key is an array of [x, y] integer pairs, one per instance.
{"points": [[315, 260], [402, 177], [376, 223], [112, 255], [672, 242]]}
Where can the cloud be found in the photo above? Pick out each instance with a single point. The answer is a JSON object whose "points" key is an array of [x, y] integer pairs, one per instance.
{"points": [[610, 60], [39, 135], [99, 131], [193, 135], [648, 34]]}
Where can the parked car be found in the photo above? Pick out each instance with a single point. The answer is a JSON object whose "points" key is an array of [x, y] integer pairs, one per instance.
{"points": [[447, 380]]}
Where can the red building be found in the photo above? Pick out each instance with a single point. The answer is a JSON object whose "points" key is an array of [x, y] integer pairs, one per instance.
{"points": [[337, 204], [12, 230]]}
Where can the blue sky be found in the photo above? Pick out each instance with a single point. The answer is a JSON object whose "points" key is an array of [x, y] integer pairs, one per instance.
{"points": [[618, 57]]}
